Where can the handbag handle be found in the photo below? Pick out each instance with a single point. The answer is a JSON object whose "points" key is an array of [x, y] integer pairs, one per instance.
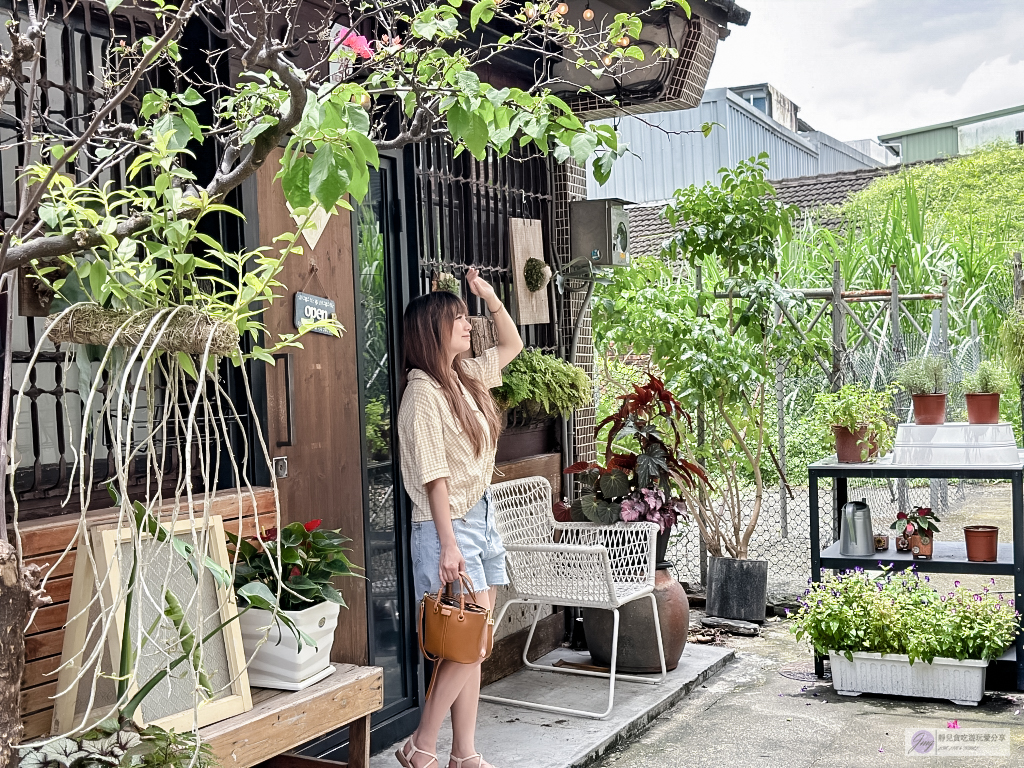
{"points": [[467, 585]]}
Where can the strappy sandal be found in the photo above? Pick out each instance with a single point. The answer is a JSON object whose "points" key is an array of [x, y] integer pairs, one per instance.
{"points": [[476, 755], [406, 760]]}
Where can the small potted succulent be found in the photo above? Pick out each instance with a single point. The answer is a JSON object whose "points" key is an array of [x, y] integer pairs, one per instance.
{"points": [[861, 421], [983, 388], [286, 580], [917, 529], [925, 379]]}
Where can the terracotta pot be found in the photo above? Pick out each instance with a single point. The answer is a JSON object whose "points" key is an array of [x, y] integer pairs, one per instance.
{"points": [[983, 407], [930, 409], [921, 546], [638, 645], [854, 447], [982, 543]]}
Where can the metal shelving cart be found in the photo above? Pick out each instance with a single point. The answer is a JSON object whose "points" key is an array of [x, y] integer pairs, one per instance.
{"points": [[948, 556]]}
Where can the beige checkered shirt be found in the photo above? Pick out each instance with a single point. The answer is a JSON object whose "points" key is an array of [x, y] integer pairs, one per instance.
{"points": [[432, 444]]}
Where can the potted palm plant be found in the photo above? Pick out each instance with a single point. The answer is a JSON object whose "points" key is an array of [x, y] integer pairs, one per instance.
{"points": [[287, 581], [861, 421], [983, 388], [925, 379]]}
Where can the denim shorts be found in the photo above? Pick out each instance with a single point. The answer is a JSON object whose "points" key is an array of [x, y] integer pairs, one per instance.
{"points": [[478, 540]]}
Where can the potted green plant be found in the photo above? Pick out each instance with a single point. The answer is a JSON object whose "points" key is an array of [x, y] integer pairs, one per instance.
{"points": [[295, 572], [925, 379], [641, 480], [919, 528], [861, 421], [536, 388], [983, 388], [895, 634]]}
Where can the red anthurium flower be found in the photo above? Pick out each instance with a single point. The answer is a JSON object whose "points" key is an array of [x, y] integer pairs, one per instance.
{"points": [[296, 571], [269, 533], [901, 516], [312, 525]]}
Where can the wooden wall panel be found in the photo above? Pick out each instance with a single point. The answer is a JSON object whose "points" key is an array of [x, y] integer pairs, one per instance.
{"points": [[324, 463]]}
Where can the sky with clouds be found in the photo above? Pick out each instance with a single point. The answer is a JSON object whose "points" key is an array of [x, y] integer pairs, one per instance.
{"points": [[860, 68]]}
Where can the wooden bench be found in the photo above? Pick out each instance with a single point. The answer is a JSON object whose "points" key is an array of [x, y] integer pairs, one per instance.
{"points": [[281, 721]]}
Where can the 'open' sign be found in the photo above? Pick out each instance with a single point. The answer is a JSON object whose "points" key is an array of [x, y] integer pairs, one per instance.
{"points": [[309, 309]]}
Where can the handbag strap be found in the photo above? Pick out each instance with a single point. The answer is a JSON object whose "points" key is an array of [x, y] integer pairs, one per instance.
{"points": [[423, 631]]}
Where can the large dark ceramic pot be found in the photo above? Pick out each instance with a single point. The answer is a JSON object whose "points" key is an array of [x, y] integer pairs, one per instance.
{"points": [[737, 589], [638, 644]]}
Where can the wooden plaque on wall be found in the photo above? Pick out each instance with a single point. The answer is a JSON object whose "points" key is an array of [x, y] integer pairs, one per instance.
{"points": [[527, 239]]}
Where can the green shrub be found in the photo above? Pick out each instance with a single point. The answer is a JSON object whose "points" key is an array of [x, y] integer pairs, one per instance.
{"points": [[902, 613], [554, 384], [923, 375], [1011, 335], [533, 274], [990, 377]]}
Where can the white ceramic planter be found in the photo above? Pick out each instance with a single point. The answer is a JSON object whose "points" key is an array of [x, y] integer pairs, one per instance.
{"points": [[278, 663], [962, 682]]}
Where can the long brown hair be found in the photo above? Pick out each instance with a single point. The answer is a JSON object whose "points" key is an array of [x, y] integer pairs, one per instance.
{"points": [[428, 325]]}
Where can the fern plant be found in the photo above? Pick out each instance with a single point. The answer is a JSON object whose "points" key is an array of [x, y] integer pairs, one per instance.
{"points": [[553, 384]]}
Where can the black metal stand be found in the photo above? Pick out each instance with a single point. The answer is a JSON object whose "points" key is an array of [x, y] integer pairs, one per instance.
{"points": [[948, 557]]}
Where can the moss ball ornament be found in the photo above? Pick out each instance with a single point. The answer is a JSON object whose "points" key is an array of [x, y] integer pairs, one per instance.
{"points": [[536, 273]]}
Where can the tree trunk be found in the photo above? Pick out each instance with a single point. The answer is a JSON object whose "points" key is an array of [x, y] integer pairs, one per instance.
{"points": [[15, 599]]}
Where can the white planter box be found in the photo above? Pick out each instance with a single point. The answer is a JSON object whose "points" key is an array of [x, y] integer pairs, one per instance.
{"points": [[962, 682], [956, 444], [278, 663]]}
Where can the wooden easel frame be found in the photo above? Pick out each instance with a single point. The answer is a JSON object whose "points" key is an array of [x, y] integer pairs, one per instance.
{"points": [[107, 540]]}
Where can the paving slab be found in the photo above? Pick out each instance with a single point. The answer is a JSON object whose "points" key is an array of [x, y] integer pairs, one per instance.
{"points": [[516, 736], [767, 708]]}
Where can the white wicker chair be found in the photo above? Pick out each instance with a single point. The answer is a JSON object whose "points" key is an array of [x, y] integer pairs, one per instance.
{"points": [[590, 566]]}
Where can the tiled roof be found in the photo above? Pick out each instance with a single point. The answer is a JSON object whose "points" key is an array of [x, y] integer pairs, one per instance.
{"points": [[647, 230], [810, 192]]}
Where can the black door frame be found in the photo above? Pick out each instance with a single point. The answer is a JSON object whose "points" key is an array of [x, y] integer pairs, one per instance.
{"points": [[400, 718]]}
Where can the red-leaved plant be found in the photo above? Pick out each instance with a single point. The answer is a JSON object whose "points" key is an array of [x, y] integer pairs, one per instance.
{"points": [[639, 481]]}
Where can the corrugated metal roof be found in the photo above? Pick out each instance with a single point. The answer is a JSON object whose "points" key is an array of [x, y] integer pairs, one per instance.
{"points": [[668, 151], [954, 123]]}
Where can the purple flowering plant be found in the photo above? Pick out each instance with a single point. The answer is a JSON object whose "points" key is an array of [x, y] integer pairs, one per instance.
{"points": [[645, 464], [902, 613]]}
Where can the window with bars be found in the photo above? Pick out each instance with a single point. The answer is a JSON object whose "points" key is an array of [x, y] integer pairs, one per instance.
{"points": [[49, 425], [464, 207]]}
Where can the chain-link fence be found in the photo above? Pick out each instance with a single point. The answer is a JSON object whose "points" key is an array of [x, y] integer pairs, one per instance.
{"points": [[867, 351]]}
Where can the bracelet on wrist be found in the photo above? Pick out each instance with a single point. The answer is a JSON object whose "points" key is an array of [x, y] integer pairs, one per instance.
{"points": [[496, 311]]}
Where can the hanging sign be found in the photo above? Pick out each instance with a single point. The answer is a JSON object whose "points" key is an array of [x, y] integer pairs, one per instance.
{"points": [[310, 308]]}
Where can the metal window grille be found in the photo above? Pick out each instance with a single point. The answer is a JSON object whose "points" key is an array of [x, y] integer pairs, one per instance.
{"points": [[464, 206]]}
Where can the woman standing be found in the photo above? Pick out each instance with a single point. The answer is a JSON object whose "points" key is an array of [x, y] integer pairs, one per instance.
{"points": [[447, 433]]}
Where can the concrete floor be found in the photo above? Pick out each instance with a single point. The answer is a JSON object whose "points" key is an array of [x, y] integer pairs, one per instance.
{"points": [[514, 736], [749, 713]]}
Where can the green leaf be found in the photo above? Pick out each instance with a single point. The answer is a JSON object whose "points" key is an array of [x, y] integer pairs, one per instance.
{"points": [[333, 595], [614, 485], [295, 182], [477, 136], [583, 146], [459, 121], [191, 97], [185, 361], [325, 182]]}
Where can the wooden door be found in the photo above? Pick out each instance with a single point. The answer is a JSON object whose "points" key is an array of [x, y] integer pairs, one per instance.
{"points": [[324, 462]]}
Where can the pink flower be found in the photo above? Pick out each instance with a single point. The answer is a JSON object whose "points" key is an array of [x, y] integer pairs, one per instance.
{"points": [[955, 724], [356, 43], [631, 510]]}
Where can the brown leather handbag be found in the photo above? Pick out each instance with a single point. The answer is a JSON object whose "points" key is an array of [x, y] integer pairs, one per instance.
{"points": [[453, 628]]}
